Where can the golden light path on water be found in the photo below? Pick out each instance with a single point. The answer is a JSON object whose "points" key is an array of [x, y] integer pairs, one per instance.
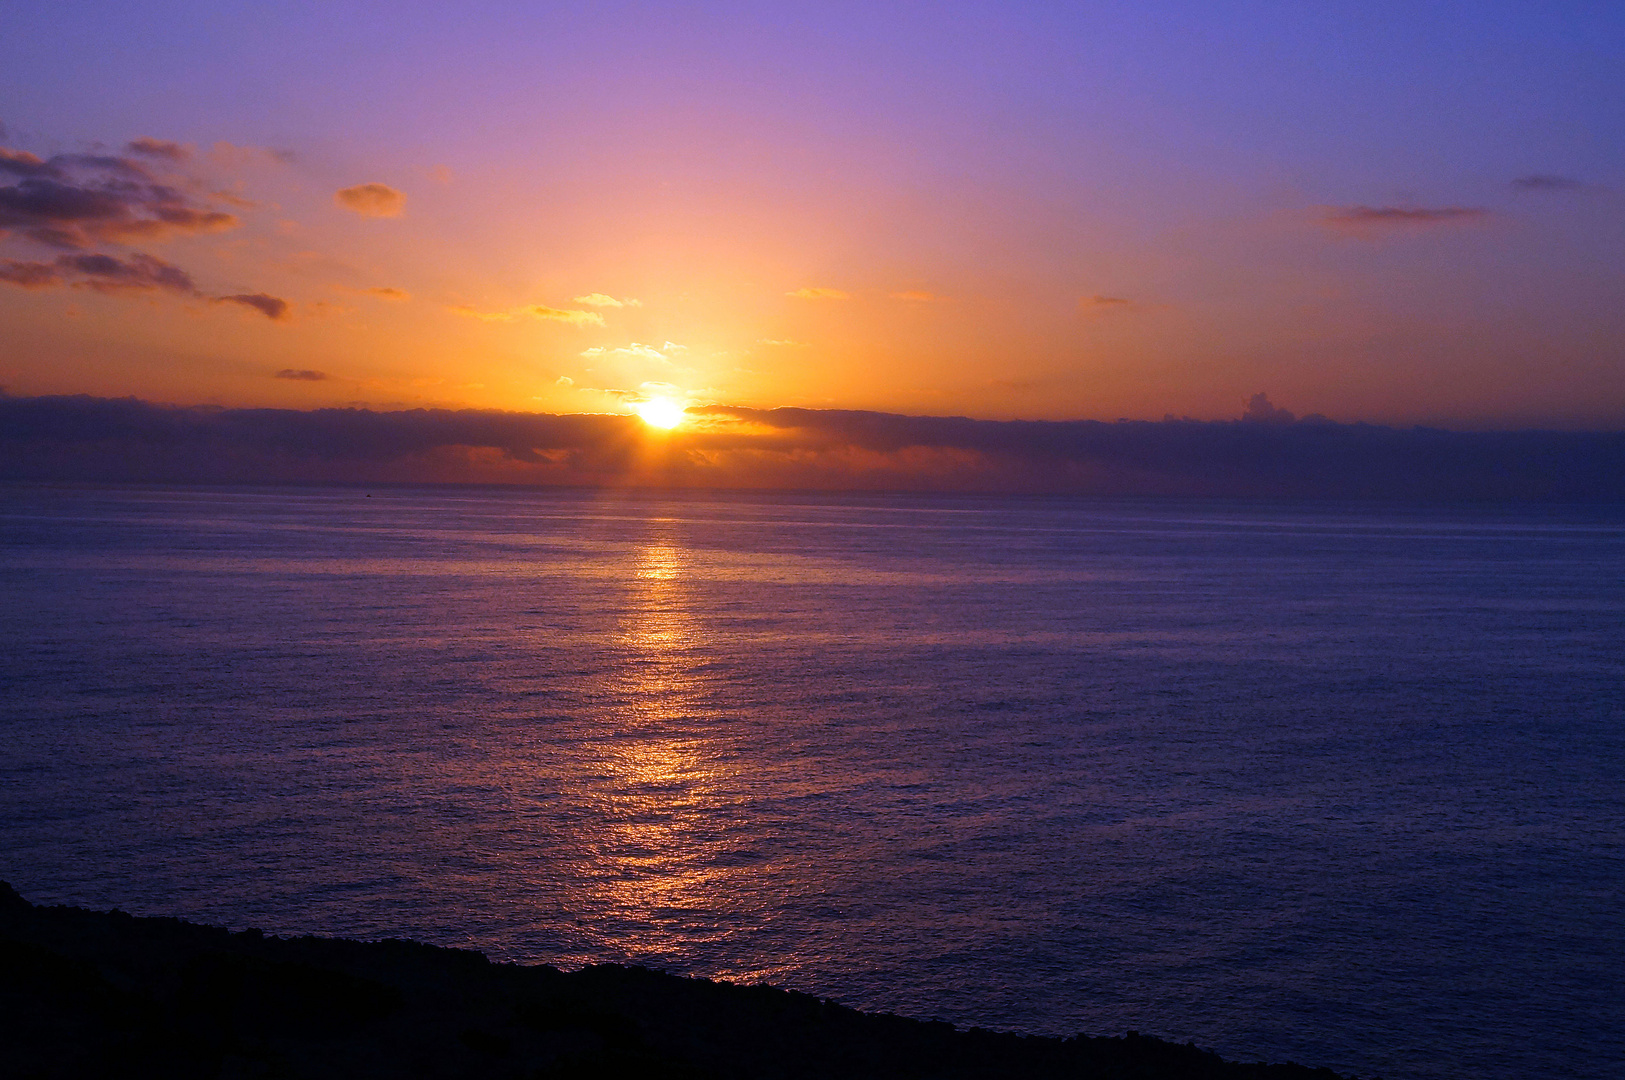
{"points": [[658, 869]]}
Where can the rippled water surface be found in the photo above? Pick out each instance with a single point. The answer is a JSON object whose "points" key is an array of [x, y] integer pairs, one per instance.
{"points": [[1344, 785]]}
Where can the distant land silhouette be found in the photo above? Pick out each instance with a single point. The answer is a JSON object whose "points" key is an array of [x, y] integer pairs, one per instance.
{"points": [[1267, 453], [87, 993]]}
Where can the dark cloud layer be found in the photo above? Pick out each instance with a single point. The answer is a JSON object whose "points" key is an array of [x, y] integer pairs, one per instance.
{"points": [[302, 375], [82, 438]]}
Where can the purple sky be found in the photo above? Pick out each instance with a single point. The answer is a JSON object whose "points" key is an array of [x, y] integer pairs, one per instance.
{"points": [[1400, 213]]}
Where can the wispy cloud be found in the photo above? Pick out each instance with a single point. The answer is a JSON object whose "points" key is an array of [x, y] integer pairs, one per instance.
{"points": [[384, 292], [534, 311], [159, 148], [103, 273], [918, 296], [371, 200], [599, 299], [635, 351], [1400, 217], [819, 294], [303, 375], [1099, 305], [1547, 182], [784, 343]]}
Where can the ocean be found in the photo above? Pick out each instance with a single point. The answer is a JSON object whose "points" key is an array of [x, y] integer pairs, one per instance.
{"points": [[1335, 783]]}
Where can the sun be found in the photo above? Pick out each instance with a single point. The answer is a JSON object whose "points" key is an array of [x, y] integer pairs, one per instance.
{"points": [[660, 412]]}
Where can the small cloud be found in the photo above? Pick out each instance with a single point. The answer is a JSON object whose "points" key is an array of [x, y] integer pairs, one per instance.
{"points": [[1104, 303], [1547, 182], [386, 293], [819, 294], [442, 174], [371, 200], [272, 307], [159, 148], [784, 343], [599, 299], [564, 380], [673, 347], [574, 318], [303, 375], [1261, 411], [1405, 217], [919, 296]]}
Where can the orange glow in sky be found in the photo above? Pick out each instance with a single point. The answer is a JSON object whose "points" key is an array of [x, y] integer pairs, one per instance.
{"points": [[1103, 216]]}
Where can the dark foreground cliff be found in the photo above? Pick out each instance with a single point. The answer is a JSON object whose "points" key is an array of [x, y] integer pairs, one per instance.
{"points": [[104, 994]]}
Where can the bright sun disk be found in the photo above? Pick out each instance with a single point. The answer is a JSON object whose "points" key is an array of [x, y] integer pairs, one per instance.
{"points": [[660, 412]]}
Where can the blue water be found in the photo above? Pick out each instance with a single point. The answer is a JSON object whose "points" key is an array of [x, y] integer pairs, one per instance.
{"points": [[1344, 785]]}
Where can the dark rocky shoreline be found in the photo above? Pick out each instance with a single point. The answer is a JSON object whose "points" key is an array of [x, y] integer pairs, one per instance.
{"points": [[105, 994]]}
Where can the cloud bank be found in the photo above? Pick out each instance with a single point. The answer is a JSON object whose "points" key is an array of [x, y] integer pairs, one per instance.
{"points": [[1268, 454]]}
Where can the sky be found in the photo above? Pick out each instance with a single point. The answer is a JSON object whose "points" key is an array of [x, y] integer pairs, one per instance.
{"points": [[1395, 213]]}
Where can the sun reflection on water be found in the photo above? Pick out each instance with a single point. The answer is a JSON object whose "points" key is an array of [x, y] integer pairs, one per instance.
{"points": [[656, 877]]}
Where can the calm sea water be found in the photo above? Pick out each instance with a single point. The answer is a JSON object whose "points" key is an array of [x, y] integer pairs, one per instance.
{"points": [[1344, 785]]}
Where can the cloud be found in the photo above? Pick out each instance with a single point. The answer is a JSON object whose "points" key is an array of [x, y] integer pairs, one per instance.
{"points": [[21, 163], [227, 155], [371, 200], [1100, 305], [599, 299], [302, 375], [918, 296], [103, 273], [272, 307], [784, 343], [1404, 217], [84, 438], [635, 351], [819, 294], [574, 318], [534, 311], [30, 275], [564, 380], [1261, 411], [77, 201], [387, 293], [159, 148], [1548, 182], [133, 273]]}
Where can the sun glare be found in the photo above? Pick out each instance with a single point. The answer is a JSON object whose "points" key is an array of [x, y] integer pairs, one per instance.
{"points": [[660, 412]]}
